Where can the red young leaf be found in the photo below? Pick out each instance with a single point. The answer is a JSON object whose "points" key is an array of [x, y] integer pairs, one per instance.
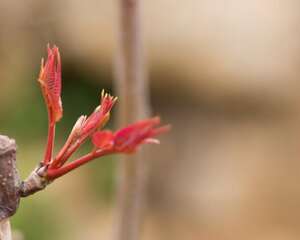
{"points": [[100, 116], [103, 139], [50, 80], [127, 139]]}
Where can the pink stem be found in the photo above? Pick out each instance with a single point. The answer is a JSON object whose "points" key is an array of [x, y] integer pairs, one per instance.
{"points": [[50, 141], [55, 173], [67, 150], [61, 157], [65, 154]]}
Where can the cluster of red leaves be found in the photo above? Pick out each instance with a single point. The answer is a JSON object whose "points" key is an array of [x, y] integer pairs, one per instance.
{"points": [[125, 140]]}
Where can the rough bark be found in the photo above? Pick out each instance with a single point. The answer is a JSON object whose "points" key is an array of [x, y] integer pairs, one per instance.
{"points": [[9, 178], [132, 88], [9, 185]]}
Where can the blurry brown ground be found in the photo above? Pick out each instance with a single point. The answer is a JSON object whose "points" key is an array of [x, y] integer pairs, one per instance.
{"points": [[225, 74]]}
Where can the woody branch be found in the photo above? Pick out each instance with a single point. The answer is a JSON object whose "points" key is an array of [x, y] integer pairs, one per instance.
{"points": [[132, 88]]}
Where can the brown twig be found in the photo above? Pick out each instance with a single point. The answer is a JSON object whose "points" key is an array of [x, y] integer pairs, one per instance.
{"points": [[9, 185], [132, 88]]}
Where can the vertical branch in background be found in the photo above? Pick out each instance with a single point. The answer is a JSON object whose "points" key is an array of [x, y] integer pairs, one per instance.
{"points": [[132, 89]]}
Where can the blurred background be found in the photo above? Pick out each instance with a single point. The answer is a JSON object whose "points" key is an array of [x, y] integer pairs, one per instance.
{"points": [[225, 74]]}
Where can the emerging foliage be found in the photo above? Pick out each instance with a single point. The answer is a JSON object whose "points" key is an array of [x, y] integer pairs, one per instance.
{"points": [[126, 140]]}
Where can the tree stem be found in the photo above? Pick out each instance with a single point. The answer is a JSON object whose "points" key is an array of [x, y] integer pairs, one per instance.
{"points": [[132, 88]]}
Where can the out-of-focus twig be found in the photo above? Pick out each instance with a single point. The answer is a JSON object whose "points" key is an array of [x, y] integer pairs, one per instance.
{"points": [[5, 230], [132, 88]]}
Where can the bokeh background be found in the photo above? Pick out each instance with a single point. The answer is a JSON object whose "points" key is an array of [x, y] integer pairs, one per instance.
{"points": [[225, 74]]}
